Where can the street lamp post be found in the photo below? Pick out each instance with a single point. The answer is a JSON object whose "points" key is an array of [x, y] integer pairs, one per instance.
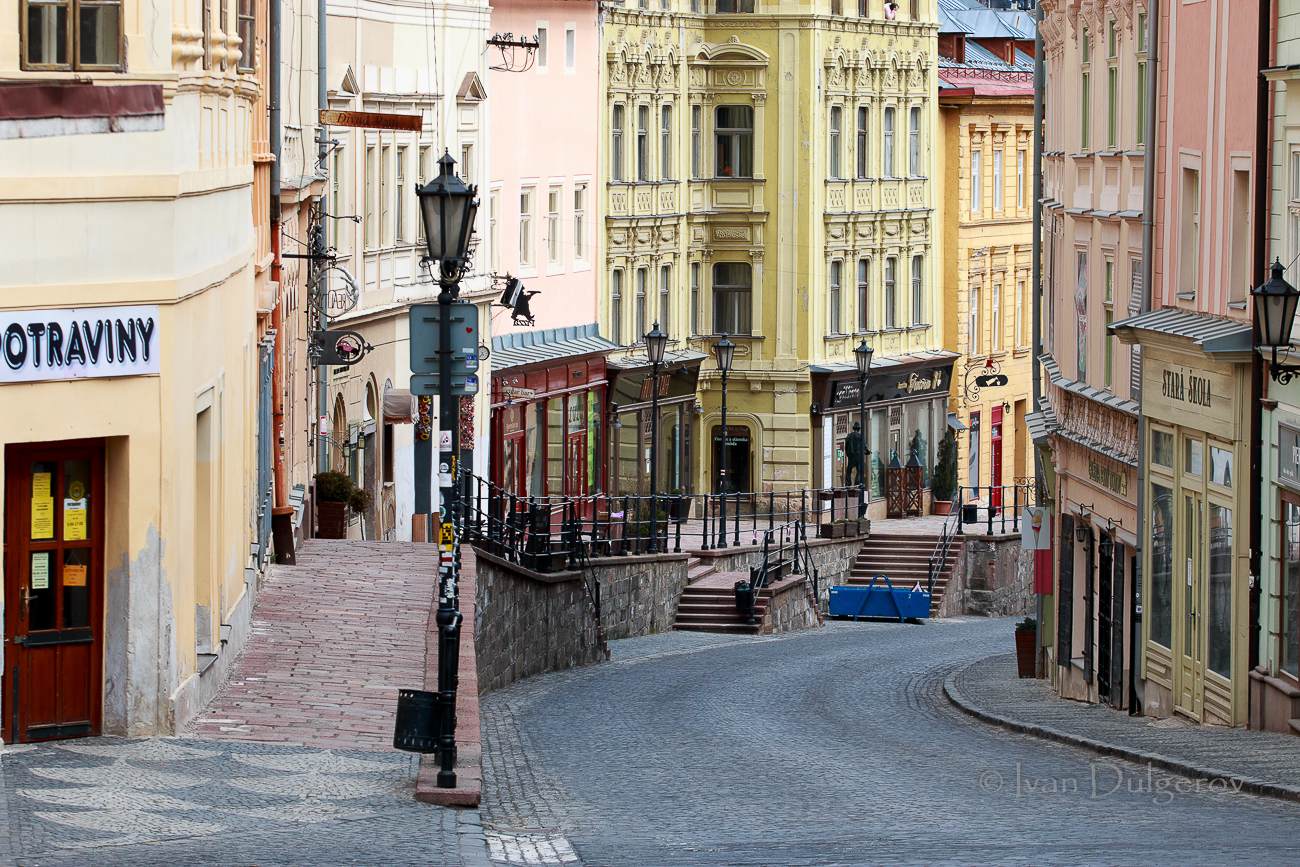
{"points": [[862, 355], [655, 343], [725, 350], [1275, 307], [447, 208]]}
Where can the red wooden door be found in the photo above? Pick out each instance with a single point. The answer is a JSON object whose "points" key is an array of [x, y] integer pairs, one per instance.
{"points": [[54, 591], [995, 459]]}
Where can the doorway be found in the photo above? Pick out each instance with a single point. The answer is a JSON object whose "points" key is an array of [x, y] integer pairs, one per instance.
{"points": [[1189, 689], [995, 459], [737, 446], [54, 591]]}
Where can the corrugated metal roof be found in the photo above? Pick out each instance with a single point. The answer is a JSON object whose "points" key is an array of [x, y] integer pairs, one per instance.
{"points": [[549, 344], [1085, 390], [881, 364], [1212, 333], [948, 24], [632, 362]]}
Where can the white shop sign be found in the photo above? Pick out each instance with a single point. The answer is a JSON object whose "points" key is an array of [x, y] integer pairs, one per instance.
{"points": [[79, 342]]}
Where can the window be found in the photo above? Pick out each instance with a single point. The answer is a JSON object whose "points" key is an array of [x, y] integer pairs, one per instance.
{"points": [[666, 141], [862, 142], [734, 134], [92, 39], [732, 287], [1108, 365], [541, 49], [570, 49], [1239, 279], [695, 141], [1189, 236], [1293, 215], [579, 222], [1112, 86], [995, 323], [639, 313], [864, 295], [918, 300], [616, 145], [976, 183], [887, 153], [385, 196], [494, 227], [834, 303], [665, 276], [643, 143], [336, 200], [836, 112], [616, 307], [423, 168], [526, 228], [554, 255], [1290, 620], [1085, 95], [1020, 179], [997, 180], [695, 298], [1140, 131], [973, 321], [726, 7], [891, 302], [247, 19], [372, 226], [864, 8], [914, 143], [399, 218], [467, 162], [1020, 314]]}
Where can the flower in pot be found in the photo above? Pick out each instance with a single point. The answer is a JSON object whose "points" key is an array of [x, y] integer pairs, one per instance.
{"points": [[1026, 646], [943, 485], [679, 504], [334, 493]]}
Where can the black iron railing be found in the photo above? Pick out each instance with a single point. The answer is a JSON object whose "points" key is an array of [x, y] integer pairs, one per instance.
{"points": [[993, 508], [783, 551], [939, 557]]}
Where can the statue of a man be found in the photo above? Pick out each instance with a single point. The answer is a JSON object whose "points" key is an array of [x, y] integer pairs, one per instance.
{"points": [[853, 457]]}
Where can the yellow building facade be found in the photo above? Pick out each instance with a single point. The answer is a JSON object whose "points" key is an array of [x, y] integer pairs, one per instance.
{"points": [[987, 227], [770, 176], [134, 271]]}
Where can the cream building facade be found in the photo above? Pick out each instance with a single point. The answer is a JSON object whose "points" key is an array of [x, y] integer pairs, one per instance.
{"points": [[133, 354], [770, 177]]}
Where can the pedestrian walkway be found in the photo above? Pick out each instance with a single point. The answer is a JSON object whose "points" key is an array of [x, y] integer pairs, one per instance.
{"points": [[1263, 763], [334, 639]]}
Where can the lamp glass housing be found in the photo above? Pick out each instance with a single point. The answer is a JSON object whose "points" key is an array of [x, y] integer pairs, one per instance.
{"points": [[447, 208], [862, 355], [725, 351], [655, 344]]}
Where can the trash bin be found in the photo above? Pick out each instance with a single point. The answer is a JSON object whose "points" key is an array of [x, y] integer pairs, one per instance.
{"points": [[970, 514], [745, 599], [419, 723]]}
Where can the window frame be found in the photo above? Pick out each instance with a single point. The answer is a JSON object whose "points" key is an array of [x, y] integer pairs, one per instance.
{"points": [[527, 246], [891, 293], [554, 222], [863, 150], [887, 144], [666, 141], [643, 142], [737, 140], [833, 154], [914, 142], [697, 147], [726, 301], [997, 179], [616, 159], [580, 221], [918, 289], [864, 294], [616, 305], [835, 301]]}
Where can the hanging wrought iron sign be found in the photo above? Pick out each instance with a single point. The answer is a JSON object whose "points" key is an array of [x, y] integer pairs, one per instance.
{"points": [[338, 348], [981, 376]]}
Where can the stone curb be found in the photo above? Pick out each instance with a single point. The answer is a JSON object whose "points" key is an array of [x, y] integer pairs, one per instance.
{"points": [[1177, 766], [469, 734]]}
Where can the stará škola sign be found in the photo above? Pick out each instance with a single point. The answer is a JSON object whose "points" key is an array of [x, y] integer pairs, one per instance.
{"points": [[77, 343]]}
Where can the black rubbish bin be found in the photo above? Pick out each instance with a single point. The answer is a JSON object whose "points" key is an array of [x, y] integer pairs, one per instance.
{"points": [[969, 514], [419, 723], [745, 599]]}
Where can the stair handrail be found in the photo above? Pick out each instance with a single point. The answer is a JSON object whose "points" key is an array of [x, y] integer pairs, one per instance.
{"points": [[786, 538], [939, 556]]}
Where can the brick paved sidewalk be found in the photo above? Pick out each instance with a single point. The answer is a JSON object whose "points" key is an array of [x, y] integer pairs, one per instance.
{"points": [[334, 638], [1264, 763]]}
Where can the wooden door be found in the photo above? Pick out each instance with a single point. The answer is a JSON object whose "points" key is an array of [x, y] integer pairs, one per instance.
{"points": [[995, 459], [54, 591], [1189, 688]]}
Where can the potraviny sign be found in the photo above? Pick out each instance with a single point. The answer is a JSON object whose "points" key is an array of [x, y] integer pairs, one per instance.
{"points": [[79, 342]]}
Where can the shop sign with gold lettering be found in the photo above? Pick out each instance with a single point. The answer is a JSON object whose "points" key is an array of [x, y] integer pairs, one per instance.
{"points": [[1190, 395]]}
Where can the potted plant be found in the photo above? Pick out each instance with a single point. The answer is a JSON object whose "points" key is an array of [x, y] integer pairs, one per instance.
{"points": [[943, 486], [864, 526], [1026, 646], [679, 504], [335, 495], [640, 528]]}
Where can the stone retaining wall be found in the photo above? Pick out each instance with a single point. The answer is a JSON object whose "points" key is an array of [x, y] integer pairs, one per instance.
{"points": [[639, 595], [833, 559], [790, 609], [992, 578]]}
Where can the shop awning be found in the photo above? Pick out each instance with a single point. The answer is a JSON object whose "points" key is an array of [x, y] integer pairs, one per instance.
{"points": [[42, 109], [883, 365], [955, 423], [399, 407], [549, 344], [1215, 335], [671, 359]]}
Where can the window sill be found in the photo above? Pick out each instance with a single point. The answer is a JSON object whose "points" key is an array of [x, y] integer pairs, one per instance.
{"points": [[1186, 296], [1237, 305]]}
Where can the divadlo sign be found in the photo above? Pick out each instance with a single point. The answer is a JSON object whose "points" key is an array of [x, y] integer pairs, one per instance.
{"points": [[79, 342]]}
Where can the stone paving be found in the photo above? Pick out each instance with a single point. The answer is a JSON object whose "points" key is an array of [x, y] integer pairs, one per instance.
{"points": [[1263, 762], [292, 765], [833, 746]]}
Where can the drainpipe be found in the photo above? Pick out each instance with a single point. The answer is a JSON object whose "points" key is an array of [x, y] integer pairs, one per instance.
{"points": [[1263, 173], [277, 311], [322, 99], [1040, 662], [1148, 249]]}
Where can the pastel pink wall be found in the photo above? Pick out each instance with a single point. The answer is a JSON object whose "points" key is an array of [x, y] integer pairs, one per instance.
{"points": [[544, 134], [1206, 117]]}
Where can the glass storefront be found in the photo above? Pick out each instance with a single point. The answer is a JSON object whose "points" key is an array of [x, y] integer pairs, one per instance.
{"points": [[913, 430]]}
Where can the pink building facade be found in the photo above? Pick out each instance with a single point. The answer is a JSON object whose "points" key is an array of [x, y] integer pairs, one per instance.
{"points": [[540, 214]]}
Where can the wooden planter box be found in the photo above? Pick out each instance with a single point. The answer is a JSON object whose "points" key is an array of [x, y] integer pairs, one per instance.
{"points": [[1025, 640], [941, 507], [332, 520]]}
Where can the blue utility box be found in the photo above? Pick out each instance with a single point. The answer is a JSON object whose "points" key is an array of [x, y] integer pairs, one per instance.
{"points": [[871, 601]]}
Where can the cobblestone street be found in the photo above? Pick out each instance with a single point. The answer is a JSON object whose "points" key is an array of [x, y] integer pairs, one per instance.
{"points": [[833, 746]]}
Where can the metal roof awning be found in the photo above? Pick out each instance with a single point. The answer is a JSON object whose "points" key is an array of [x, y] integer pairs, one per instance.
{"points": [[38, 110], [1040, 424], [550, 344], [685, 357], [955, 423], [879, 365], [1215, 335], [1063, 382]]}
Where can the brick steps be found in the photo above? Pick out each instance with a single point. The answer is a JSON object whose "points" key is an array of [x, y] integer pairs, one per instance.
{"points": [[709, 605]]}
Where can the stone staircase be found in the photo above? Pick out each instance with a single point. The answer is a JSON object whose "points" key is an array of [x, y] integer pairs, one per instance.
{"points": [[905, 560]]}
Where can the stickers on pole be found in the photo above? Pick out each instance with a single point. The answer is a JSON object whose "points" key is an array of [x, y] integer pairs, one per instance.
{"points": [[446, 537], [444, 441]]}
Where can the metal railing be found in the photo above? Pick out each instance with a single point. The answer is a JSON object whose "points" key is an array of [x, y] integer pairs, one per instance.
{"points": [[988, 507], [939, 557]]}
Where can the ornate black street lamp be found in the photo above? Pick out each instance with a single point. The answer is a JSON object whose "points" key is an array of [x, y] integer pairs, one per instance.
{"points": [[1275, 306], [725, 350], [862, 355], [655, 344], [448, 208]]}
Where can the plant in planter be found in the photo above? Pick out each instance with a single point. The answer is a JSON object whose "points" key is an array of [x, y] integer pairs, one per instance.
{"points": [[943, 485], [640, 528], [1026, 646], [335, 495], [679, 504]]}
